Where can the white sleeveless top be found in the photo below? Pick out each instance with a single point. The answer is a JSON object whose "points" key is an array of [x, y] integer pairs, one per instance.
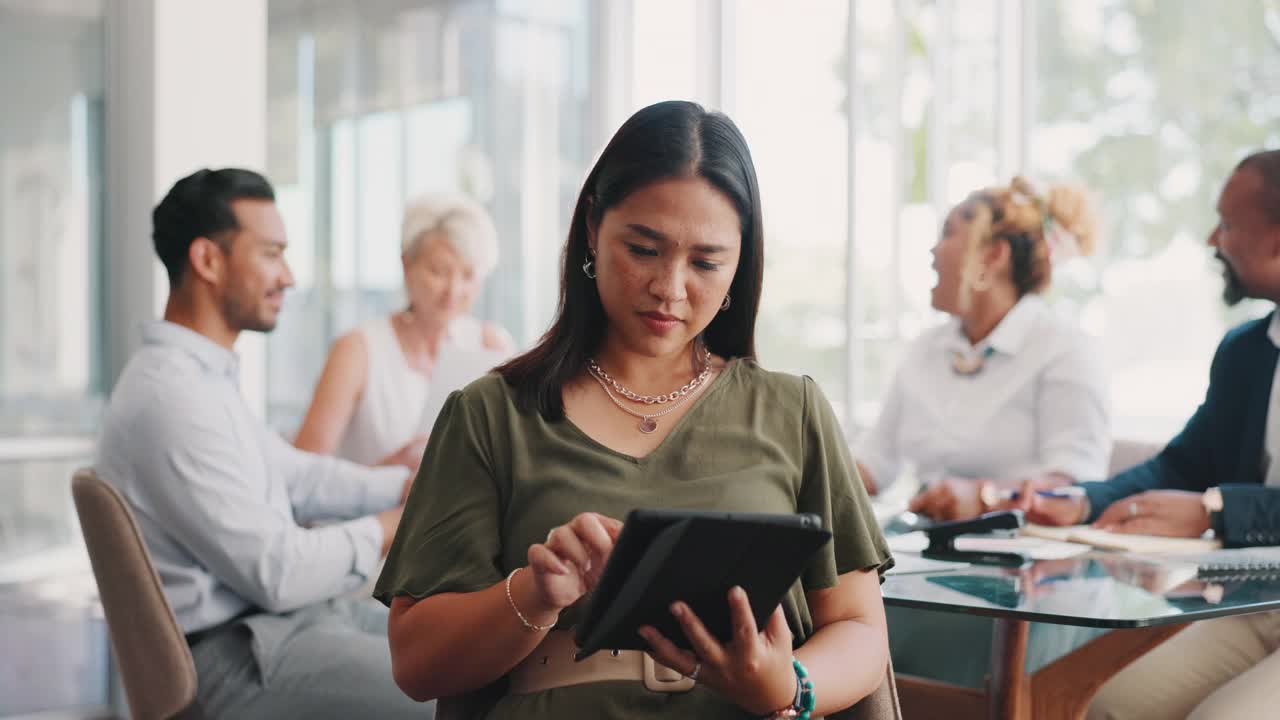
{"points": [[389, 411]]}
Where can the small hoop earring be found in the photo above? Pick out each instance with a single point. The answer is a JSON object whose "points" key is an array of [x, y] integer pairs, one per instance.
{"points": [[588, 268], [725, 305], [981, 283]]}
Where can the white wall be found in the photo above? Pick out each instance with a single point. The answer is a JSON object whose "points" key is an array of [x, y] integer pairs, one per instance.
{"points": [[186, 89]]}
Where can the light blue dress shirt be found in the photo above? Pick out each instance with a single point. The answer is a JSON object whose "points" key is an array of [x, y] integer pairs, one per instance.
{"points": [[222, 500]]}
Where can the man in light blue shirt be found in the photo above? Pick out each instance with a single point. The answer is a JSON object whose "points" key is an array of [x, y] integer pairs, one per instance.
{"points": [[225, 505]]}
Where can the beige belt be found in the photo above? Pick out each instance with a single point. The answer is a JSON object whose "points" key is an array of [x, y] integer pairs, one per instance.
{"points": [[551, 665]]}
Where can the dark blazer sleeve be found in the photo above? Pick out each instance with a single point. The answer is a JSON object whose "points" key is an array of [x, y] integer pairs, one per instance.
{"points": [[1250, 515], [1251, 510], [1186, 463]]}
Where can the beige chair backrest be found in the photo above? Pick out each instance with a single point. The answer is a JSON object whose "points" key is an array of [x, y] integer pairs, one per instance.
{"points": [[879, 705], [152, 654], [1127, 453]]}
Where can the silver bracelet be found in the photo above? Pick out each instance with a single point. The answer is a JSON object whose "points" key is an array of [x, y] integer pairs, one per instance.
{"points": [[523, 619]]}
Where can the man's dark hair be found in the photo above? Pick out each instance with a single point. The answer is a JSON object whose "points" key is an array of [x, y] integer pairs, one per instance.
{"points": [[199, 205], [1267, 164]]}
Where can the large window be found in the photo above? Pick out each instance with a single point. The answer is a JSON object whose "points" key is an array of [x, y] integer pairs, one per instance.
{"points": [[869, 120], [923, 109], [51, 349], [50, 218], [374, 104], [1152, 104], [51, 294], [883, 156], [799, 139]]}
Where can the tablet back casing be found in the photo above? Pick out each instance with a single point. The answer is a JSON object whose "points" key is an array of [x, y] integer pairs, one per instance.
{"points": [[695, 556]]}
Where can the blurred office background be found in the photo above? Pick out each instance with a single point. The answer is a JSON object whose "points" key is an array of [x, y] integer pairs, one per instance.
{"points": [[868, 119]]}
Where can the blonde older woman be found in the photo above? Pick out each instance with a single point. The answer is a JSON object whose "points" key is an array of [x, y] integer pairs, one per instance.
{"points": [[369, 401]]}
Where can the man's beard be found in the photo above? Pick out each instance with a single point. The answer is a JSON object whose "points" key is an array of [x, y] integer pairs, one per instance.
{"points": [[1233, 291], [241, 316]]}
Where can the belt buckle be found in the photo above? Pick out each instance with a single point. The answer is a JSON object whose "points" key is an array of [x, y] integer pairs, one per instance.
{"points": [[660, 678]]}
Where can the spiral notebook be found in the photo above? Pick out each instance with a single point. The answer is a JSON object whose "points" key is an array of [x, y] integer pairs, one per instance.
{"points": [[1258, 563]]}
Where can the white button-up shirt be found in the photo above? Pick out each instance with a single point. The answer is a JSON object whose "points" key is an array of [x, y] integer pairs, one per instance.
{"points": [[1038, 405], [1271, 443], [219, 497]]}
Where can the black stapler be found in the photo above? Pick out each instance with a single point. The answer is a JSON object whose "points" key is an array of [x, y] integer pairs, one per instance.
{"points": [[942, 539]]}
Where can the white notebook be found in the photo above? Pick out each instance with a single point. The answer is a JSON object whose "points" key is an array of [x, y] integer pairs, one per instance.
{"points": [[1032, 547], [1107, 540]]}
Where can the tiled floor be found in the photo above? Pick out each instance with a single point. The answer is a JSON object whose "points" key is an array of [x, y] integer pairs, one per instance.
{"points": [[53, 643]]}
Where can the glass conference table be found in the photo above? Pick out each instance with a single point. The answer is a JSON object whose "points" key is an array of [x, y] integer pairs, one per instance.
{"points": [[1143, 600]]}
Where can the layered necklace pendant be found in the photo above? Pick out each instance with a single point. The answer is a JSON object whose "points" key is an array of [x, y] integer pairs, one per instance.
{"points": [[649, 421]]}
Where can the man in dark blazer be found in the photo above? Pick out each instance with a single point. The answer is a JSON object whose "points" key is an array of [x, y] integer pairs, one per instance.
{"points": [[1222, 472]]}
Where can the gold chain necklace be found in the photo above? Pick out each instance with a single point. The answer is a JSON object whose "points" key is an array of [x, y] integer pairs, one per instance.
{"points": [[618, 387], [648, 422]]}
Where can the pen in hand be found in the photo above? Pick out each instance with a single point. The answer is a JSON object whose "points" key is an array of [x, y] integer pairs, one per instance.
{"points": [[992, 495]]}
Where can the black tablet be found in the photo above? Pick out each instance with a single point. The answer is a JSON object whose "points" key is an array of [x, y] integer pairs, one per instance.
{"points": [[694, 556]]}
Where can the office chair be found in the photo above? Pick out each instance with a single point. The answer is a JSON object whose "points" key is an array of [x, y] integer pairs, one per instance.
{"points": [[155, 662]]}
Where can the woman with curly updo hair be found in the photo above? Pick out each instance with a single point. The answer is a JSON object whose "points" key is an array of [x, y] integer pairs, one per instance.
{"points": [[1005, 390]]}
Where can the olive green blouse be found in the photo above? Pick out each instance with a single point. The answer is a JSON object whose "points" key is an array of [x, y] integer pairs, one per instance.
{"points": [[494, 480]]}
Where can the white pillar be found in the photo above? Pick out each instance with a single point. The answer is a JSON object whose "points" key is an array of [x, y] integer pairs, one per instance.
{"points": [[186, 88], [1014, 56]]}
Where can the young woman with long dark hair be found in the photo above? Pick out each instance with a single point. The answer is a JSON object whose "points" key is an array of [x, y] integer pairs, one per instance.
{"points": [[643, 393]]}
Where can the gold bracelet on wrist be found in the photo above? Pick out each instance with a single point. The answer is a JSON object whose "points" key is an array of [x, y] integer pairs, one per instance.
{"points": [[523, 620]]}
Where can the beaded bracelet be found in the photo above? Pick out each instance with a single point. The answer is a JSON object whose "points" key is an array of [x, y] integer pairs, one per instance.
{"points": [[806, 699], [523, 619]]}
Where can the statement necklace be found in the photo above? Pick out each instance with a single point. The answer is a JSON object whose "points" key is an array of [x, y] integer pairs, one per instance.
{"points": [[649, 421], [970, 364], [618, 387]]}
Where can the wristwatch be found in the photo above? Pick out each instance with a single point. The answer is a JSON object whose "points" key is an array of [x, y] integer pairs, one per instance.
{"points": [[1212, 500]]}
